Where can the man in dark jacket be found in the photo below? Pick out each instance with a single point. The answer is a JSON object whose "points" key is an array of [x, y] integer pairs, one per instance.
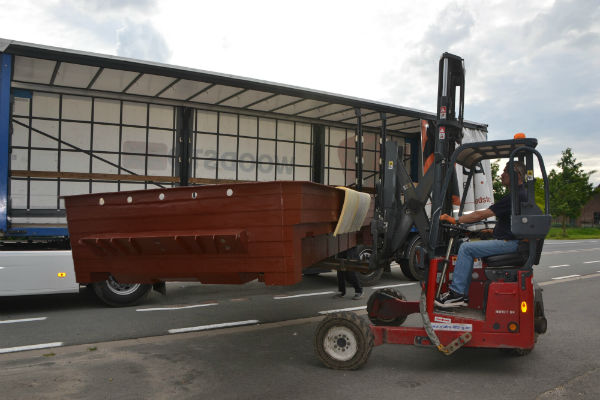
{"points": [[504, 241]]}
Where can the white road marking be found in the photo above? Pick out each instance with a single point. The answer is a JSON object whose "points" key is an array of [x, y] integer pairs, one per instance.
{"points": [[214, 326], [558, 266], [177, 308], [343, 309], [301, 295], [30, 347], [565, 277], [14, 321], [590, 262], [567, 242], [570, 251], [389, 286]]}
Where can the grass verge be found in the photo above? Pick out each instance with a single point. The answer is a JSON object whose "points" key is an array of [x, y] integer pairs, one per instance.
{"points": [[574, 233]]}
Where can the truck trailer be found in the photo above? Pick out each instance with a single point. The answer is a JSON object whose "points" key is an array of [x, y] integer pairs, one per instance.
{"points": [[74, 123]]}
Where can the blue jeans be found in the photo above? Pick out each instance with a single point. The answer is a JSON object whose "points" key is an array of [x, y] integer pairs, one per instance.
{"points": [[463, 269]]}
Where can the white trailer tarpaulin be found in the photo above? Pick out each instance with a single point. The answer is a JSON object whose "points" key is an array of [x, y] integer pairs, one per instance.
{"points": [[480, 193]]}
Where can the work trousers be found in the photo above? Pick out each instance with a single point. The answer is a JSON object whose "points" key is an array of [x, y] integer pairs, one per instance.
{"points": [[463, 269], [351, 277]]}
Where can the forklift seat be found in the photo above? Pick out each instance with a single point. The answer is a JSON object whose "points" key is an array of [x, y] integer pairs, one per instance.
{"points": [[517, 259]]}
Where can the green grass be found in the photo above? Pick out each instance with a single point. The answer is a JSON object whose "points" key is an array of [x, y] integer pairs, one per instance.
{"points": [[574, 233]]}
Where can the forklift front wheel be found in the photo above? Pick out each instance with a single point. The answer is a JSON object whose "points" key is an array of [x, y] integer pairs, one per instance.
{"points": [[411, 266], [395, 321], [343, 341]]}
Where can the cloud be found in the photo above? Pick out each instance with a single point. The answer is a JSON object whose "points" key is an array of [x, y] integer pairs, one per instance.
{"points": [[121, 27], [142, 41], [108, 6], [530, 69]]}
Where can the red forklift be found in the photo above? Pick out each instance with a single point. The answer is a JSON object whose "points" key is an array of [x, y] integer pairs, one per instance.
{"points": [[505, 308]]}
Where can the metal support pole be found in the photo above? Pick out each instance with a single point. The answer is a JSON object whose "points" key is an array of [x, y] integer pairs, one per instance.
{"points": [[318, 154], [183, 145], [359, 150], [382, 139]]}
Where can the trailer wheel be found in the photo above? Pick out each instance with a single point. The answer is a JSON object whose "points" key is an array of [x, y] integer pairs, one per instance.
{"points": [[397, 321], [410, 265], [117, 294], [367, 278], [343, 341]]}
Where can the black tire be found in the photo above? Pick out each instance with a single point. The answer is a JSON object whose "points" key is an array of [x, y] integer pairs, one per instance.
{"points": [[409, 265], [387, 322], [343, 341], [516, 352], [115, 294], [367, 278], [311, 273]]}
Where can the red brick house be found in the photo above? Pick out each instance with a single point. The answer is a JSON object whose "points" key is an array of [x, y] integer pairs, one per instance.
{"points": [[590, 215]]}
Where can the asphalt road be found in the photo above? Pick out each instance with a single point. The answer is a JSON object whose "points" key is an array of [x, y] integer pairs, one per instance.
{"points": [[142, 352]]}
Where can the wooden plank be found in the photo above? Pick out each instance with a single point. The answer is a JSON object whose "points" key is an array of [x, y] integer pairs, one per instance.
{"points": [[92, 176]]}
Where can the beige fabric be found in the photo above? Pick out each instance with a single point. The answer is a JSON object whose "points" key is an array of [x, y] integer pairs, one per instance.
{"points": [[354, 211]]}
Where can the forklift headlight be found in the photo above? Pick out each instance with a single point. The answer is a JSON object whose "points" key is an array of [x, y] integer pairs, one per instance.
{"points": [[513, 327], [524, 306]]}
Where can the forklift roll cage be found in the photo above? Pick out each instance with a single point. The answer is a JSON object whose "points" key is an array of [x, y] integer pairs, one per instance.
{"points": [[533, 224]]}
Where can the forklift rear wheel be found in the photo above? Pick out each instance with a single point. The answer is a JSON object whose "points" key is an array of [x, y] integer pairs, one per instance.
{"points": [[516, 352], [397, 321], [117, 294], [410, 265], [540, 326], [368, 278], [343, 341]]}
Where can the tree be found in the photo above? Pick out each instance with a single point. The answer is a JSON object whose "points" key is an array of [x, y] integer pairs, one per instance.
{"points": [[499, 189], [570, 188], [539, 193]]}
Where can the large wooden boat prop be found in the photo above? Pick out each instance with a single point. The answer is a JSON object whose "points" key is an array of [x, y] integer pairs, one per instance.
{"points": [[227, 234]]}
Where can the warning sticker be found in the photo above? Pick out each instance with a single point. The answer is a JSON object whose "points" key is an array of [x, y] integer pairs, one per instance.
{"points": [[442, 319], [437, 326], [390, 165], [529, 175]]}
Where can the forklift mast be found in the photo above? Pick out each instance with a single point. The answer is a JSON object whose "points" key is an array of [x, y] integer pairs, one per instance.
{"points": [[449, 125], [400, 204]]}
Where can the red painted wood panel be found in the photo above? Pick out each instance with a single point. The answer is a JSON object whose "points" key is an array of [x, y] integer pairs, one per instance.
{"points": [[229, 234]]}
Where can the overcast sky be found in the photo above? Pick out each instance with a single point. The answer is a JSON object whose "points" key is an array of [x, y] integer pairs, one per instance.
{"points": [[532, 66]]}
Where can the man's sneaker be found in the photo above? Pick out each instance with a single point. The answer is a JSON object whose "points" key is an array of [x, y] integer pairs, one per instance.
{"points": [[450, 299], [339, 295], [357, 296]]}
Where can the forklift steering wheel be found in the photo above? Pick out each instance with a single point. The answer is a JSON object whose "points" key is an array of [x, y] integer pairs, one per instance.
{"points": [[455, 230]]}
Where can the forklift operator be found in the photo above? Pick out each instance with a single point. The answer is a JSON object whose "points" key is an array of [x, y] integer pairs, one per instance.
{"points": [[504, 241]]}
